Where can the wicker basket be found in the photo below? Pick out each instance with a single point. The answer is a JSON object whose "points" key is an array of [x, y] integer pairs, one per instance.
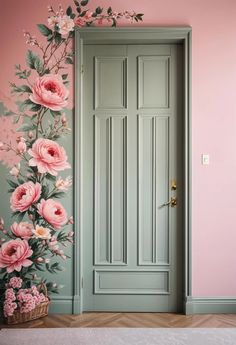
{"points": [[38, 312]]}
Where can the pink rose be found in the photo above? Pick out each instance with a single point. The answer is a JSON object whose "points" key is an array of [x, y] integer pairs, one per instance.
{"points": [[53, 212], [81, 21], [14, 254], [50, 92], [24, 196], [48, 156], [23, 230]]}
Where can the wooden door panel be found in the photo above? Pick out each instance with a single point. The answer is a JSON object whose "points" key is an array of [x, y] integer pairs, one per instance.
{"points": [[132, 260]]}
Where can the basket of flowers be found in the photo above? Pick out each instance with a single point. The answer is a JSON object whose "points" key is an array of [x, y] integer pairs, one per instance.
{"points": [[22, 305]]}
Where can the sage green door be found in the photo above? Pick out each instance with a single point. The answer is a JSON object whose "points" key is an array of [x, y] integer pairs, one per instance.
{"points": [[132, 159]]}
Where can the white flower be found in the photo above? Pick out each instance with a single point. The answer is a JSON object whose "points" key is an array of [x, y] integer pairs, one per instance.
{"points": [[15, 170], [41, 232], [63, 184], [52, 21], [65, 25]]}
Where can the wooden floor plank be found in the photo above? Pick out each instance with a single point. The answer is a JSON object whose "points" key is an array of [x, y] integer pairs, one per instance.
{"points": [[131, 320]]}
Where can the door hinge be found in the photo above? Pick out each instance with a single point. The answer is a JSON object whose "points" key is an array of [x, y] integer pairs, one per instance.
{"points": [[82, 283], [82, 69]]}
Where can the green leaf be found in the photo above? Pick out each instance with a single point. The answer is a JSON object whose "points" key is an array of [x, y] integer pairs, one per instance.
{"points": [[26, 88], [45, 191], [139, 16], [14, 214], [38, 65], [21, 89], [58, 195], [113, 22], [83, 13], [58, 38], [25, 127], [30, 105], [72, 34], [64, 76], [78, 9], [25, 104], [44, 30], [39, 267], [16, 119], [35, 107], [11, 190], [76, 3], [50, 177], [84, 2], [69, 61], [34, 62], [99, 10], [12, 183], [20, 216], [69, 11], [94, 14], [109, 10], [30, 58], [50, 38], [55, 113]]}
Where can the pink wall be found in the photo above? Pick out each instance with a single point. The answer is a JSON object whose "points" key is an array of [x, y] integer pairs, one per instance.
{"points": [[213, 116]]}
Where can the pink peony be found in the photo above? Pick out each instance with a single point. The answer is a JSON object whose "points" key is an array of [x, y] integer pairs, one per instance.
{"points": [[23, 230], [24, 196], [48, 156], [53, 212], [14, 254], [50, 92]]}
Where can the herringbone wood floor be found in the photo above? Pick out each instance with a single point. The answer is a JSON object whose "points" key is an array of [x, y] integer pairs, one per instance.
{"points": [[134, 320]]}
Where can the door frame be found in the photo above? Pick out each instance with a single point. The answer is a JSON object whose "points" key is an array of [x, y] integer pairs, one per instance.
{"points": [[130, 35]]}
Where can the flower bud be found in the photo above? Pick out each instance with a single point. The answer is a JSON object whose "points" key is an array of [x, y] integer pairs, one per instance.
{"points": [[21, 147], [64, 120], [1, 221], [71, 220], [30, 134], [15, 171]]}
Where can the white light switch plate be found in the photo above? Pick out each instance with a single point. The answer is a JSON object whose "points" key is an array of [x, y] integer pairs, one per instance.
{"points": [[205, 159]]}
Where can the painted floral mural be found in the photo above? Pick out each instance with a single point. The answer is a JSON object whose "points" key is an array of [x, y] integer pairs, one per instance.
{"points": [[31, 145]]}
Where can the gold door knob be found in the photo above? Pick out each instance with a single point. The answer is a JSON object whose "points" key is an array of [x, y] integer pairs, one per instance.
{"points": [[172, 202]]}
